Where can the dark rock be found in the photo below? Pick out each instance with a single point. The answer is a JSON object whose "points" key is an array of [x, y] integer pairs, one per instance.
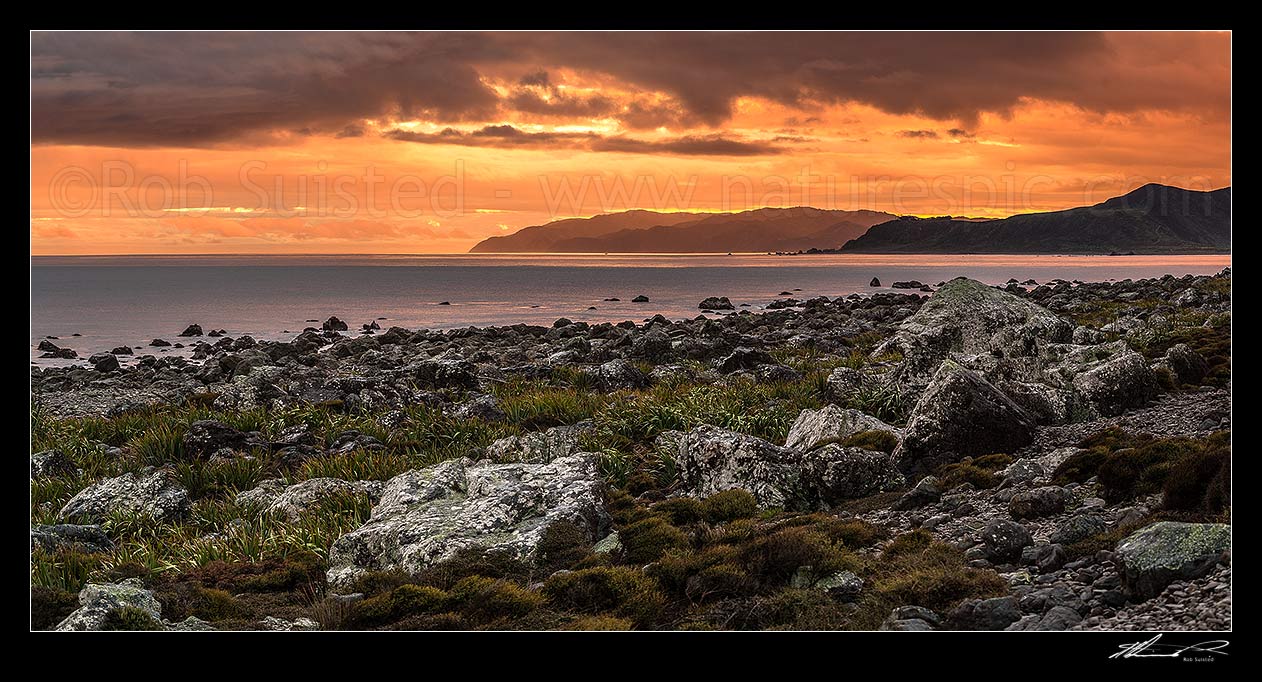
{"points": [[927, 491], [1188, 365], [1039, 502], [640, 299], [104, 362], [745, 358], [984, 614], [875, 282], [1003, 540], [122, 350], [960, 414], [90, 539], [333, 324], [192, 330], [52, 463], [716, 303], [910, 284], [1077, 528], [159, 343], [206, 436]]}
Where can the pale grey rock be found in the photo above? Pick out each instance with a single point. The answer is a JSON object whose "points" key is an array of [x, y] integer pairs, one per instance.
{"points": [[428, 515], [52, 463], [1121, 382], [98, 600], [71, 536], [831, 423], [273, 496], [540, 446], [152, 494], [711, 460]]}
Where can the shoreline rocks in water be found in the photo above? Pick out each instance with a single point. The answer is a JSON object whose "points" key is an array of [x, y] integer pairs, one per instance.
{"points": [[1030, 442]]}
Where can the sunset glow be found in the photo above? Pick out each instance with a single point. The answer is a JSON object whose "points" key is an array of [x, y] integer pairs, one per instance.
{"points": [[428, 143]]}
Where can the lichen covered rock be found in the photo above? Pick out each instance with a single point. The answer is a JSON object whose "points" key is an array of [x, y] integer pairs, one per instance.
{"points": [[831, 423], [1164, 552], [151, 494], [428, 515]]}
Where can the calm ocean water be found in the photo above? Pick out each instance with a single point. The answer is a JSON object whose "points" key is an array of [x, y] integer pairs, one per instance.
{"points": [[112, 301]]}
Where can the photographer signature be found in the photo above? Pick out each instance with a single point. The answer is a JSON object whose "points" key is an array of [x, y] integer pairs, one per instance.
{"points": [[1153, 649]]}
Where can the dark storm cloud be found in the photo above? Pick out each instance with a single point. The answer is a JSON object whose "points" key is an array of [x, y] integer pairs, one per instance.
{"points": [[960, 132], [505, 136], [918, 134], [198, 88]]}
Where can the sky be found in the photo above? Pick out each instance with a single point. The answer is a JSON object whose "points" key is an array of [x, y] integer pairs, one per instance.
{"points": [[371, 142]]}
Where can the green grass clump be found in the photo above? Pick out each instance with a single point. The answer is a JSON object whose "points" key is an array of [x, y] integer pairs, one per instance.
{"points": [[67, 570], [981, 472], [600, 624]]}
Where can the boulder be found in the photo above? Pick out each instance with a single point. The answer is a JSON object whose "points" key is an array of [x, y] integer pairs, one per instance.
{"points": [[745, 358], [333, 324], [539, 446], [1188, 366], [149, 494], [984, 614], [1153, 557], [875, 282], [960, 415], [618, 373], [52, 463], [716, 303], [207, 436], [428, 515], [1056, 618], [104, 362], [1046, 404], [295, 500], [448, 370], [98, 601], [911, 618], [927, 491], [640, 299], [963, 316], [1121, 382], [1045, 501], [88, 539], [1003, 540], [712, 460], [1077, 528], [829, 424]]}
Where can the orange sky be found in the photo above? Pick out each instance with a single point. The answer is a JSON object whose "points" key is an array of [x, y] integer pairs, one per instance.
{"points": [[427, 143]]}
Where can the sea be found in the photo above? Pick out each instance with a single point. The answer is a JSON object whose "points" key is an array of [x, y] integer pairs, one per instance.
{"points": [[95, 303]]}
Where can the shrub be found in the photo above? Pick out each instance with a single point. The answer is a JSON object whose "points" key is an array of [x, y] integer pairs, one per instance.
{"points": [[644, 541], [1080, 466], [911, 543], [373, 583], [600, 623], [729, 505], [475, 561], [405, 600], [130, 618], [487, 599], [676, 569], [562, 545], [216, 605], [681, 511], [956, 475], [50, 606], [935, 577], [879, 441], [625, 592], [798, 609], [1201, 480], [773, 559], [65, 569]]}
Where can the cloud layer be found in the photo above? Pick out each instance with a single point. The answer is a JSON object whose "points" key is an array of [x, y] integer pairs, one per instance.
{"points": [[198, 89]]}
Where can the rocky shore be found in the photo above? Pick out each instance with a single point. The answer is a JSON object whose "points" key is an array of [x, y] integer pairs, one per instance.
{"points": [[1025, 457]]}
